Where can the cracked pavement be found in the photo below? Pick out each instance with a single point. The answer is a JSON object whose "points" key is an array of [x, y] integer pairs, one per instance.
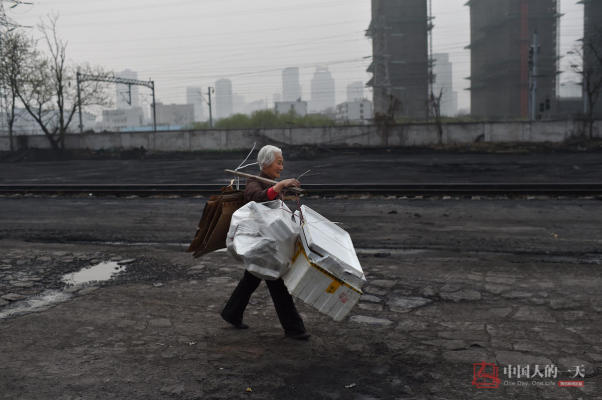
{"points": [[450, 283]]}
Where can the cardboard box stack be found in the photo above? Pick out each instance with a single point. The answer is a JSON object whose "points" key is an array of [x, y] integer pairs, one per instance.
{"points": [[325, 272]]}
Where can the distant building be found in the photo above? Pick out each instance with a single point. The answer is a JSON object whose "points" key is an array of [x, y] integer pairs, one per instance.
{"points": [[291, 89], [256, 105], [355, 91], [194, 96], [570, 89], [120, 119], [569, 107], [593, 34], [501, 36], [24, 124], [127, 96], [399, 32], [322, 91], [180, 115], [571, 102], [443, 84], [355, 111], [238, 104], [298, 107], [223, 98], [89, 122]]}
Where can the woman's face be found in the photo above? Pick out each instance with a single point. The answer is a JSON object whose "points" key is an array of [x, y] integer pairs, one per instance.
{"points": [[274, 169]]}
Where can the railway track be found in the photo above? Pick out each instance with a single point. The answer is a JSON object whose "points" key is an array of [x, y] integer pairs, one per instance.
{"points": [[397, 189]]}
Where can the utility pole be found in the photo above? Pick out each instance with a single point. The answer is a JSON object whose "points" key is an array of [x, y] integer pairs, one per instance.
{"points": [[2, 90], [79, 102], [533, 77], [431, 61], [152, 86], [209, 90]]}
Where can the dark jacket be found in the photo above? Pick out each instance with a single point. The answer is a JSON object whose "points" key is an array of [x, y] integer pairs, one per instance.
{"points": [[256, 191]]}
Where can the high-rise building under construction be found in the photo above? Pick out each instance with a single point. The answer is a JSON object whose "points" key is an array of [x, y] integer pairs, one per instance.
{"points": [[514, 57], [399, 32], [592, 48]]}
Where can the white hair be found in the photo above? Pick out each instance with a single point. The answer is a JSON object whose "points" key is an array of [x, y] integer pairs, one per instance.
{"points": [[267, 155]]}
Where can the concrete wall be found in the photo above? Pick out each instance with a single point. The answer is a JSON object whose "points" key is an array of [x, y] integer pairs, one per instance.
{"points": [[340, 136]]}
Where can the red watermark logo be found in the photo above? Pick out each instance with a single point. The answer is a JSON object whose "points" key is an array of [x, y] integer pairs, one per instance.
{"points": [[485, 375], [571, 383]]}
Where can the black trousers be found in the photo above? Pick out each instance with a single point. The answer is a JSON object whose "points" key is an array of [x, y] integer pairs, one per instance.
{"points": [[285, 307]]}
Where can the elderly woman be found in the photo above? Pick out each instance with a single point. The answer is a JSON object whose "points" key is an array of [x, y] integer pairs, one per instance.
{"points": [[271, 164]]}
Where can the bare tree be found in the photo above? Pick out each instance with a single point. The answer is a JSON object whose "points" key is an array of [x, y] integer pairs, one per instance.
{"points": [[16, 50], [49, 90], [5, 21], [589, 66], [435, 110], [7, 98]]}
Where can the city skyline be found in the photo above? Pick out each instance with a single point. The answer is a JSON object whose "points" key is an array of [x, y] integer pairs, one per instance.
{"points": [[157, 39]]}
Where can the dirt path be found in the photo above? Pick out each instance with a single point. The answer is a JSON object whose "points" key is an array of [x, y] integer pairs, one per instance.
{"points": [[450, 284]]}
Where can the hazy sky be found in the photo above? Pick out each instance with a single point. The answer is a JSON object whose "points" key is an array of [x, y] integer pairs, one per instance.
{"points": [[181, 43]]}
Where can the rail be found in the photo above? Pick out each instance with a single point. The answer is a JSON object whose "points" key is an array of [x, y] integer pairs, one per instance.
{"points": [[396, 189]]}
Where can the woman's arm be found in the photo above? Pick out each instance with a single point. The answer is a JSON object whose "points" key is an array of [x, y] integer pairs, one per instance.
{"points": [[254, 190]]}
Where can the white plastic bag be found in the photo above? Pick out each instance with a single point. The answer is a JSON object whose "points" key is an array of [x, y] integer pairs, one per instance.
{"points": [[263, 237]]}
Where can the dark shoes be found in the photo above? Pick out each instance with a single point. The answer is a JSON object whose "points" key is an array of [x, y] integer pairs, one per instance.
{"points": [[289, 334], [297, 335], [237, 325]]}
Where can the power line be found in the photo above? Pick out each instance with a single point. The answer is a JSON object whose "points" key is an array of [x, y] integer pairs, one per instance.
{"points": [[192, 16], [214, 35], [308, 43]]}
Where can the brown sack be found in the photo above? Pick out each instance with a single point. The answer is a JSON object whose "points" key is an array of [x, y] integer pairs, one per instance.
{"points": [[215, 222], [203, 226]]}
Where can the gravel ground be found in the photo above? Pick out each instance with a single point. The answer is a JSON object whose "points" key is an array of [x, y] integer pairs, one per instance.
{"points": [[450, 283]]}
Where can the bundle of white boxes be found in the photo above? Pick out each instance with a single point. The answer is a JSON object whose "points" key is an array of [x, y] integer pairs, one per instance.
{"points": [[325, 271]]}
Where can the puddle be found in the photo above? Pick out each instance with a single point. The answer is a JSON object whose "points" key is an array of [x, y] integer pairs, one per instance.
{"points": [[96, 273], [74, 281], [36, 303]]}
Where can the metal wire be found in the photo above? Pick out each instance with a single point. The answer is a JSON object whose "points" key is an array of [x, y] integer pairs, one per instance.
{"points": [[299, 177], [241, 166]]}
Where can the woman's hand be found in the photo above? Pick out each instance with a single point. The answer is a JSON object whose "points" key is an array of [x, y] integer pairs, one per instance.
{"points": [[286, 183]]}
